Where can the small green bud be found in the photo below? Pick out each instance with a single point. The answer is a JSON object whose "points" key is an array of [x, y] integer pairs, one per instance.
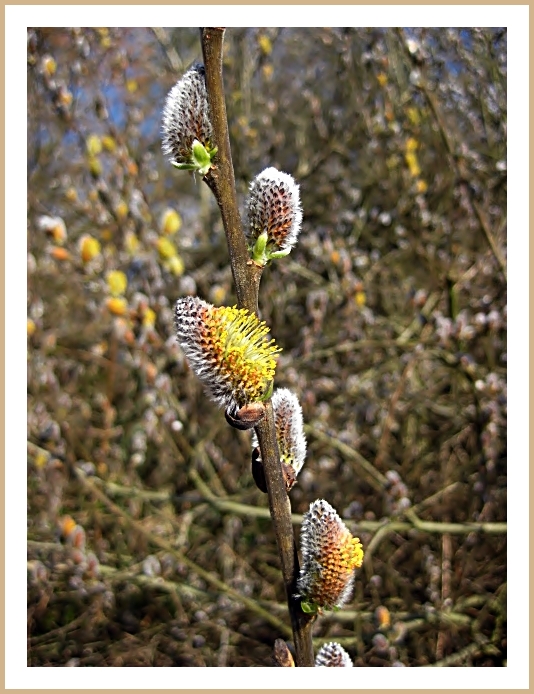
{"points": [[201, 158], [280, 254], [308, 607], [258, 250]]}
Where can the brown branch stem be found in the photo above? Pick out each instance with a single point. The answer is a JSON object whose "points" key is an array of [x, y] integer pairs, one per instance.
{"points": [[247, 275]]}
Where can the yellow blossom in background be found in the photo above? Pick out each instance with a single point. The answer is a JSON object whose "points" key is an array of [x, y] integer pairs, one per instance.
{"points": [[93, 145], [49, 65], [360, 298], [65, 96], [218, 294], [265, 44], [268, 71], [89, 247], [132, 86], [413, 115], [71, 194], [109, 143], [166, 248], [41, 459], [95, 167], [59, 253], [131, 243], [383, 617], [30, 327], [105, 38], [66, 525], [149, 318], [411, 144], [382, 79], [118, 306], [421, 186], [413, 164], [121, 211], [175, 265], [170, 222], [117, 282], [132, 168]]}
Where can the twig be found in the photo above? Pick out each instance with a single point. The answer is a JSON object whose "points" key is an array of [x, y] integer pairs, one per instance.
{"points": [[382, 528], [390, 417], [155, 582], [174, 60], [408, 619], [489, 237], [56, 634], [247, 277], [355, 345], [373, 476], [415, 326], [221, 179], [446, 555], [223, 647], [380, 534], [114, 489], [469, 651], [430, 500]]}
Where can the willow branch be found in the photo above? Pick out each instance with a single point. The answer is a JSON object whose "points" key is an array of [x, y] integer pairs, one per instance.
{"points": [[221, 179], [247, 277]]}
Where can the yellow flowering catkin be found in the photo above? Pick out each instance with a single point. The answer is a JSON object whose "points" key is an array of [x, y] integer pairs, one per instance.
{"points": [[227, 349], [329, 556]]}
